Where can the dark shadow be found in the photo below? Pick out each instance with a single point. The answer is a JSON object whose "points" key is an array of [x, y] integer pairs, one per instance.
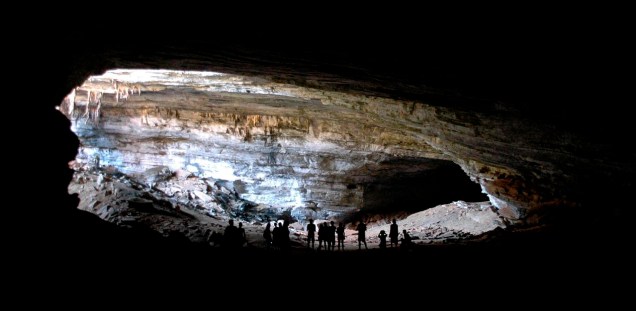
{"points": [[438, 182]]}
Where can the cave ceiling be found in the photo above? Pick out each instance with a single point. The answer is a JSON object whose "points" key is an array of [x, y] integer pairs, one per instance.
{"points": [[503, 122]]}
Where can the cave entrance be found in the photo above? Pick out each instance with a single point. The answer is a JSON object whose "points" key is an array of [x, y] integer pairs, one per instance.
{"points": [[183, 152]]}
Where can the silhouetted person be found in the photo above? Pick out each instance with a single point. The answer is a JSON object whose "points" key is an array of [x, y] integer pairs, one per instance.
{"points": [[276, 236], [332, 236], [362, 229], [285, 243], [394, 233], [311, 233], [241, 238], [406, 241], [230, 236], [267, 235], [321, 235], [341, 235], [382, 237]]}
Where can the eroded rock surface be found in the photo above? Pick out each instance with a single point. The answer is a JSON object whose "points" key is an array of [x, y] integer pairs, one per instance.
{"points": [[315, 146], [320, 154]]}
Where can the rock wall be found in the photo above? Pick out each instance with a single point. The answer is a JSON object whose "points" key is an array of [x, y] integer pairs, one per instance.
{"points": [[290, 147], [302, 147]]}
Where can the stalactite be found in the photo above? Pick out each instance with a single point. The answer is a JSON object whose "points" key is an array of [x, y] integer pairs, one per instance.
{"points": [[71, 102], [88, 103], [99, 106], [124, 91]]}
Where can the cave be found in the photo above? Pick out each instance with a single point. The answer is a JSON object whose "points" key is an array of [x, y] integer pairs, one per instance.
{"points": [[213, 147], [515, 126]]}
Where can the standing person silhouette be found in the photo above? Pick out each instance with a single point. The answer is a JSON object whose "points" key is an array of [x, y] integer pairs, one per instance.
{"points": [[394, 233], [362, 228], [311, 233], [284, 234], [230, 235], [332, 236], [321, 235], [341, 235], [242, 238], [276, 235], [267, 234]]}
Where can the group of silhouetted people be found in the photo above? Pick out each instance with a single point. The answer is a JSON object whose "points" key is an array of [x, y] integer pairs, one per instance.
{"points": [[233, 237], [406, 241], [394, 233], [327, 234], [277, 238]]}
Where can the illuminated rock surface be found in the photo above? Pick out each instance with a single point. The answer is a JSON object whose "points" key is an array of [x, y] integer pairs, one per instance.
{"points": [[313, 153], [321, 153]]}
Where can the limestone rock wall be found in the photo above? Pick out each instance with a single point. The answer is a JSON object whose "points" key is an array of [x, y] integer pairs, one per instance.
{"points": [[310, 145]]}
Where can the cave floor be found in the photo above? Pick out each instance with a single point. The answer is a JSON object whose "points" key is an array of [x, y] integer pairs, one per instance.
{"points": [[184, 214]]}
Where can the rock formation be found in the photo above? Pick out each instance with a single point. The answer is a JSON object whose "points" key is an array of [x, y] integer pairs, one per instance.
{"points": [[315, 153], [322, 149]]}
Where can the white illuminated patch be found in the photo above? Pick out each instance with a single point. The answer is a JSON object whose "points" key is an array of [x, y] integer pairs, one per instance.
{"points": [[160, 75], [493, 200], [208, 80], [192, 169], [218, 170]]}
